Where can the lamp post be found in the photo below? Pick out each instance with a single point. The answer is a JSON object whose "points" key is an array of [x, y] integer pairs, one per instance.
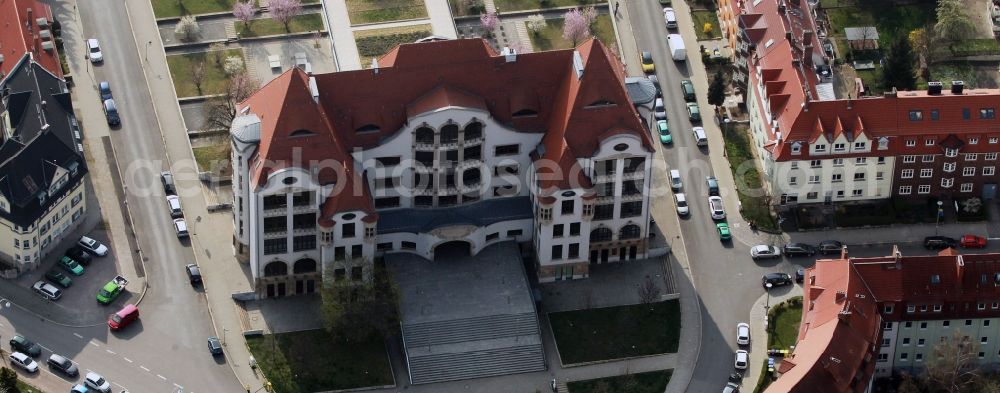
{"points": [[148, 43], [767, 302], [940, 213]]}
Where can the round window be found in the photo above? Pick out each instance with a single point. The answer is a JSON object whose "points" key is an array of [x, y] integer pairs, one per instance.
{"points": [[621, 147], [568, 194], [348, 216], [289, 180]]}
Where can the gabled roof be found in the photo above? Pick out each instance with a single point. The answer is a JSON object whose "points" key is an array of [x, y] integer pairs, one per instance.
{"points": [[20, 34]]}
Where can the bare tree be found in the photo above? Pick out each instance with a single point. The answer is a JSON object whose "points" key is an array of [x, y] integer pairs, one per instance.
{"points": [[649, 292], [198, 74], [953, 364], [284, 11], [220, 111], [217, 52]]}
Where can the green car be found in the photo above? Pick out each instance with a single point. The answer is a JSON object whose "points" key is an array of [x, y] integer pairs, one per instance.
{"points": [[688, 89], [723, 231], [110, 291], [693, 112], [58, 278], [664, 129], [69, 265]]}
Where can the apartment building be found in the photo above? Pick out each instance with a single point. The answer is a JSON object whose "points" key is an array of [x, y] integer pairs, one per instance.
{"points": [[443, 144], [42, 167], [26, 28], [887, 315]]}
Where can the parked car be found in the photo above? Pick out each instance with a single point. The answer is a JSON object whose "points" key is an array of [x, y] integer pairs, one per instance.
{"points": [[214, 346], [180, 226], [174, 204], [24, 362], [647, 62], [798, 249], [22, 344], [659, 111], [742, 359], [687, 88], [111, 113], [168, 182], [764, 251], [94, 51], [47, 291], [664, 130], [973, 241], [713, 185], [776, 279], [723, 229], [694, 113], [731, 387], [92, 246], [63, 365], [670, 18], [715, 207], [682, 205], [111, 290], [830, 247], [656, 84], [800, 275], [939, 242], [80, 255], [78, 388], [69, 265], [675, 180], [193, 273], [58, 278], [105, 89], [97, 382], [743, 333], [123, 317]]}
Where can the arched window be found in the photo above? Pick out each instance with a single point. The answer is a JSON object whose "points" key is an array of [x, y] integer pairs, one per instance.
{"points": [[425, 135], [304, 265], [449, 133], [601, 234], [474, 130], [630, 231], [276, 268], [298, 133]]}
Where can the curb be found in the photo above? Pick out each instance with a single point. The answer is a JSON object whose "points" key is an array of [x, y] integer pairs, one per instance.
{"points": [[131, 224], [521, 13], [282, 36]]}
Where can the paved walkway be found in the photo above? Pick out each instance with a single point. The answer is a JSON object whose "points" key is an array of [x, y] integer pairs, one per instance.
{"points": [[758, 331]]}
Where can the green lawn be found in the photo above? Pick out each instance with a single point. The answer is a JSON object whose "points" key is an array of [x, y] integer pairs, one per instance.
{"points": [[213, 158], [375, 43], [24, 387], [311, 361], [753, 199], [702, 17], [976, 46], [648, 382], [551, 37], [872, 79], [904, 18], [214, 81], [374, 11], [267, 26], [518, 5], [617, 332], [174, 8], [782, 331]]}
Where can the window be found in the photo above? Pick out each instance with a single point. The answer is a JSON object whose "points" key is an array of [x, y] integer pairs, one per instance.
{"points": [[839, 146], [926, 172], [906, 341], [857, 193], [408, 245], [574, 251], [886, 325], [906, 174], [934, 114], [861, 161], [304, 243], [909, 159], [836, 178], [981, 306], [903, 356], [989, 170], [557, 230], [859, 176], [792, 180], [883, 357], [986, 322], [929, 142], [388, 161], [881, 160], [920, 341], [923, 325], [604, 212], [911, 142], [812, 195], [920, 357], [911, 308], [966, 187], [969, 171], [973, 141], [950, 152], [947, 182], [888, 309], [924, 189], [886, 342], [968, 322], [568, 206], [908, 324], [923, 308], [493, 236], [945, 323], [821, 148], [514, 233], [814, 179], [275, 246], [795, 165], [916, 115], [631, 209], [796, 148], [557, 251], [937, 307], [840, 194], [987, 113], [815, 164], [994, 140], [990, 156], [838, 162], [927, 158], [574, 229], [879, 175], [506, 150], [79, 197], [860, 145], [949, 167]]}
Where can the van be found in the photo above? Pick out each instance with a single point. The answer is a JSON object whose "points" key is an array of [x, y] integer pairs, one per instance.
{"points": [[715, 206], [123, 317], [699, 136], [675, 180], [677, 50]]}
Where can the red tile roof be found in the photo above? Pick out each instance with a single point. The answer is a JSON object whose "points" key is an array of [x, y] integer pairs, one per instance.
{"points": [[17, 38]]}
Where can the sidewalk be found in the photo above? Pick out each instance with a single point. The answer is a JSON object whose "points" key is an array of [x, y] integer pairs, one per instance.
{"points": [[758, 333], [901, 233]]}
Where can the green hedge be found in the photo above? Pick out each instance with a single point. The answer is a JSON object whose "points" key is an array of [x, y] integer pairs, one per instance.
{"points": [[378, 45]]}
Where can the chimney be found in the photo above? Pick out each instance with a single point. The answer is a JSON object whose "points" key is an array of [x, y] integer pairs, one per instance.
{"points": [[957, 87], [375, 65], [843, 252], [781, 8], [934, 88], [509, 54], [314, 89], [807, 37], [890, 94]]}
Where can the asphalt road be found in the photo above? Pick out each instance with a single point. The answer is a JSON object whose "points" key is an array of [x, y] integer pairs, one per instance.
{"points": [[166, 349]]}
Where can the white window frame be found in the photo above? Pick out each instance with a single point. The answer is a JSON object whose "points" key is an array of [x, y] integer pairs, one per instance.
{"points": [[989, 170], [927, 158], [905, 190], [820, 148], [860, 146], [971, 156], [965, 187], [906, 174], [990, 156], [839, 147], [973, 141], [950, 152], [924, 189], [929, 142], [947, 182], [969, 171], [814, 179], [909, 159], [911, 142], [926, 173], [838, 162], [858, 193], [949, 167], [861, 161], [993, 140]]}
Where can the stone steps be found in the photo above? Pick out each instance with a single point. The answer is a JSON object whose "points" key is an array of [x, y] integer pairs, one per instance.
{"points": [[469, 329], [479, 364]]}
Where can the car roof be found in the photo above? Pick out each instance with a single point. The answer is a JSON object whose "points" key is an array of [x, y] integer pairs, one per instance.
{"points": [[775, 275], [680, 196], [92, 42], [105, 84], [762, 247], [193, 268], [180, 223]]}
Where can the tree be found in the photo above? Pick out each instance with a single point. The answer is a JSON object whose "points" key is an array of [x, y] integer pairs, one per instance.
{"points": [[576, 24], [649, 292], [8, 379], [922, 42], [217, 52], [717, 90], [358, 311], [972, 205], [898, 71], [953, 365], [707, 28], [473, 7], [187, 29], [198, 74], [234, 65], [489, 21], [536, 23], [953, 22], [284, 10], [244, 12], [220, 111]]}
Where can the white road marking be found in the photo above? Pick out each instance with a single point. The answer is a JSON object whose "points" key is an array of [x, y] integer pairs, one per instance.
{"points": [[178, 386], [119, 385], [110, 351], [94, 344], [45, 348], [127, 359], [144, 368], [77, 335], [161, 377]]}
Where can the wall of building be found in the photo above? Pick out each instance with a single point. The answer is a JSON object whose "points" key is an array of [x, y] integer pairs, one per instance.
{"points": [[423, 244], [907, 352], [26, 247]]}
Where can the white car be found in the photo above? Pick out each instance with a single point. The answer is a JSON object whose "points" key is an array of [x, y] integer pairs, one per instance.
{"points": [[23, 361], [47, 290], [742, 359], [94, 51], [682, 204], [181, 227], [97, 382], [92, 246], [670, 18], [715, 206], [743, 333], [764, 251], [731, 388], [174, 204]]}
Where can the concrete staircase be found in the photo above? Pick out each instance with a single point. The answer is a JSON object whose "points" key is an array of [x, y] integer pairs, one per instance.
{"points": [[473, 347]]}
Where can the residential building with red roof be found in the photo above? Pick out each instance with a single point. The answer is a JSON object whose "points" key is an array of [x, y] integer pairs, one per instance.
{"points": [[870, 317], [815, 147], [25, 27], [444, 143]]}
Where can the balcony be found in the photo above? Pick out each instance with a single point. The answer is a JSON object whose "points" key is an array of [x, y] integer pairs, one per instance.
{"points": [[634, 175], [275, 234], [605, 200], [423, 146], [630, 198], [303, 209], [275, 212], [603, 178], [474, 141], [304, 231], [452, 145], [463, 165]]}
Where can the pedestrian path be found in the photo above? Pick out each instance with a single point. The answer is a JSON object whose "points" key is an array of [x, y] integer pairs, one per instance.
{"points": [[758, 331]]}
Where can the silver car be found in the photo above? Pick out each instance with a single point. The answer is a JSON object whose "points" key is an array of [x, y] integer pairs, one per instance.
{"points": [[23, 361], [764, 251], [97, 382], [47, 290], [94, 51]]}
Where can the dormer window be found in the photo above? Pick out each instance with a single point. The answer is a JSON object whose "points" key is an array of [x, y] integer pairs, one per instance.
{"points": [[796, 148], [860, 145], [883, 143], [936, 279], [929, 142], [950, 152], [916, 115], [820, 148], [839, 147], [525, 113], [368, 128]]}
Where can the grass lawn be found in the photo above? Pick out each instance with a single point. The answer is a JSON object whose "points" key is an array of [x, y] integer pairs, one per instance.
{"points": [[976, 46], [518, 5], [373, 11], [268, 26], [904, 18], [174, 8], [872, 79], [748, 182], [954, 71], [700, 19], [375, 43], [23, 387], [648, 382], [214, 81], [617, 332], [311, 361], [551, 36], [213, 158], [781, 333]]}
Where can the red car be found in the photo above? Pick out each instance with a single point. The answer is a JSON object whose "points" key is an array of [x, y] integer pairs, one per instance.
{"points": [[973, 241]]}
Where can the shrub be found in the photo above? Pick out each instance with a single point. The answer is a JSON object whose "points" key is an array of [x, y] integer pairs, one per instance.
{"points": [[187, 29], [378, 45], [234, 64]]}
